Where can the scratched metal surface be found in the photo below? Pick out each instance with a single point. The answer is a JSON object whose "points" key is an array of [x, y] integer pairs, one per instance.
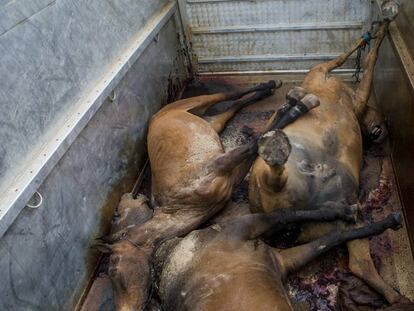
{"points": [[45, 256], [14, 13], [406, 23], [394, 86], [312, 29], [239, 12], [50, 55], [282, 42]]}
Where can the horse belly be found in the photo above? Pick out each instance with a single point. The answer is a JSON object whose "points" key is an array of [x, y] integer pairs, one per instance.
{"points": [[326, 156], [179, 150]]}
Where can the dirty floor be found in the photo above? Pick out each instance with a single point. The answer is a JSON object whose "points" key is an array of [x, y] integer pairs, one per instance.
{"points": [[316, 286]]}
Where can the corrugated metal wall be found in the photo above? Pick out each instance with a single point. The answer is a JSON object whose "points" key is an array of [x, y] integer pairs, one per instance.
{"points": [[271, 35]]}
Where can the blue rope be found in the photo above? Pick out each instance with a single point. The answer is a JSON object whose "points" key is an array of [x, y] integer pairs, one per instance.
{"points": [[367, 37]]}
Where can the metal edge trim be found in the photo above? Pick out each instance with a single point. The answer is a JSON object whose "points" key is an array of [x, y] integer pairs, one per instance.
{"points": [[400, 47], [270, 72], [209, 1], [277, 27], [60, 138], [266, 58]]}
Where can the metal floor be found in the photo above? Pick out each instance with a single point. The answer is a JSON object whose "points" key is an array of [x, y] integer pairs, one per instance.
{"points": [[316, 286]]}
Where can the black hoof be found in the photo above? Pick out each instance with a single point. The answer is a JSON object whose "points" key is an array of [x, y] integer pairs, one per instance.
{"points": [[274, 147], [396, 221], [310, 101], [351, 213], [278, 84], [296, 94]]}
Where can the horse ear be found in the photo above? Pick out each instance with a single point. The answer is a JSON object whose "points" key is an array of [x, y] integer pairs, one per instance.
{"points": [[103, 247]]}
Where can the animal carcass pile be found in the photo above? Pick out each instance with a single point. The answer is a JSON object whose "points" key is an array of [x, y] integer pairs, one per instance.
{"points": [[232, 216]]}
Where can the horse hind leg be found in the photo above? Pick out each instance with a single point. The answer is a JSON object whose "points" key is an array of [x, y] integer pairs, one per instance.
{"points": [[341, 59], [361, 264], [218, 121], [294, 258], [370, 119], [363, 91], [200, 104]]}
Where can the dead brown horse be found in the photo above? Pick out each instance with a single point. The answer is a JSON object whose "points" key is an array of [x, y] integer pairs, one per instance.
{"points": [[325, 156], [192, 179], [225, 267]]}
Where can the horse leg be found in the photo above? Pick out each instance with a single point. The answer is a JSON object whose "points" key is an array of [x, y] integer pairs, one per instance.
{"points": [[294, 258], [198, 105], [219, 121]]}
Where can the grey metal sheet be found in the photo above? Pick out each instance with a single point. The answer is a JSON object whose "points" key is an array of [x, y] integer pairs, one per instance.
{"points": [[13, 13], [46, 257], [30, 150], [234, 66], [394, 87], [287, 42], [405, 23], [232, 13], [271, 28]]}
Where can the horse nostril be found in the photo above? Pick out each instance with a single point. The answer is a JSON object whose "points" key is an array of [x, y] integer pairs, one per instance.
{"points": [[114, 259], [112, 272]]}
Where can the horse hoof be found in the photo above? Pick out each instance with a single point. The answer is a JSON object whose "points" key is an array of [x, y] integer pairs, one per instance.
{"points": [[396, 221], [390, 10], [310, 101], [296, 94], [274, 147]]}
